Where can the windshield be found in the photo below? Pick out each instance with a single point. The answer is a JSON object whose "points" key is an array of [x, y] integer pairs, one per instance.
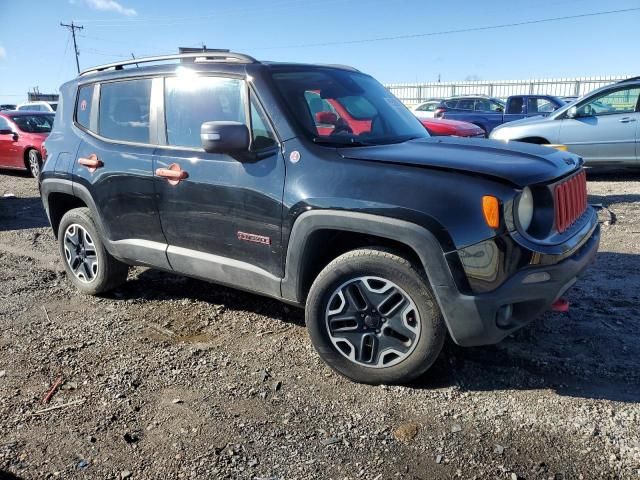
{"points": [[34, 123], [340, 107]]}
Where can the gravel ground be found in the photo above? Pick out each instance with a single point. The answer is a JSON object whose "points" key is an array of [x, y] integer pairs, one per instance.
{"points": [[174, 378]]}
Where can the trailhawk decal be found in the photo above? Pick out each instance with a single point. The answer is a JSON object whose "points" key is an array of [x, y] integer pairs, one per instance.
{"points": [[252, 237]]}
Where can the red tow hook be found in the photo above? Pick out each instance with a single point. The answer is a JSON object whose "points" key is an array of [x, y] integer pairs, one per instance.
{"points": [[560, 305]]}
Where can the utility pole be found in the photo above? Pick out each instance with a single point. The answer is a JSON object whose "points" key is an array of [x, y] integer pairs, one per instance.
{"points": [[73, 29]]}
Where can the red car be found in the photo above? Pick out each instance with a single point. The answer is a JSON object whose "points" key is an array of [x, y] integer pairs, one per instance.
{"points": [[438, 127], [21, 138], [331, 115]]}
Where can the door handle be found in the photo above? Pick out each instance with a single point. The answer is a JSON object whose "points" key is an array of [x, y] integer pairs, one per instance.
{"points": [[173, 173], [91, 162], [627, 120]]}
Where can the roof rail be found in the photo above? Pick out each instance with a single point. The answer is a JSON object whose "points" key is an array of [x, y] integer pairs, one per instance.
{"points": [[630, 79], [220, 56]]}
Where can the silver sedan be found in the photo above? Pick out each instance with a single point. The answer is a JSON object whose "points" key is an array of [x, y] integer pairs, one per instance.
{"points": [[602, 127]]}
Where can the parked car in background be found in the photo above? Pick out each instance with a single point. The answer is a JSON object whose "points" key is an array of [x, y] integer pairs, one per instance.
{"points": [[21, 138], [7, 106], [488, 113], [427, 109], [602, 127], [389, 239], [439, 127], [569, 99], [38, 106]]}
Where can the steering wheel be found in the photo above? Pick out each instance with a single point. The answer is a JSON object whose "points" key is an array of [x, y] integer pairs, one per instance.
{"points": [[342, 128]]}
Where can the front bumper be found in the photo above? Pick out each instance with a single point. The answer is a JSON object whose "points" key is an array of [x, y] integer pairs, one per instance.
{"points": [[483, 319]]}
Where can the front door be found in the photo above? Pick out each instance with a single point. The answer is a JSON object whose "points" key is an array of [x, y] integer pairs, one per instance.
{"points": [[604, 129], [9, 152], [114, 164], [223, 220]]}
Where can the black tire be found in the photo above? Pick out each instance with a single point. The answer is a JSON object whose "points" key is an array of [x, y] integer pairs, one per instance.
{"points": [[33, 162], [411, 280], [109, 272]]}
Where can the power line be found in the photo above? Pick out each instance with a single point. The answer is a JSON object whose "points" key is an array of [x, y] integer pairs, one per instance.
{"points": [[450, 32], [73, 29]]}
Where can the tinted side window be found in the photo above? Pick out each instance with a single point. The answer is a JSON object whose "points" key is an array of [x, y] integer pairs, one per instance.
{"points": [[83, 105], [261, 134], [4, 124], [189, 102], [124, 110], [466, 104]]}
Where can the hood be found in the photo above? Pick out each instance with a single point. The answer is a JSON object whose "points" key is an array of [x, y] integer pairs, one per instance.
{"points": [[521, 164], [527, 121]]}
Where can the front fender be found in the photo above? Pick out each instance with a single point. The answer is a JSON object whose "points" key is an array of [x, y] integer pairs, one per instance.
{"points": [[418, 238]]}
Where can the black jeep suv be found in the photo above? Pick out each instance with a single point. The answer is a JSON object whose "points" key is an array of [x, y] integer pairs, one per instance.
{"points": [[314, 185]]}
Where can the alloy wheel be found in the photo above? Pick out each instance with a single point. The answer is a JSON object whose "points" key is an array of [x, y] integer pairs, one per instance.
{"points": [[34, 163], [80, 253], [372, 322]]}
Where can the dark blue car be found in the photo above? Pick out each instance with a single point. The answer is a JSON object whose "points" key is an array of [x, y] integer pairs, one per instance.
{"points": [[489, 112]]}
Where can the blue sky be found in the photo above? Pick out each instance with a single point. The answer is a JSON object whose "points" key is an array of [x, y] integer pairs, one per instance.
{"points": [[284, 30]]}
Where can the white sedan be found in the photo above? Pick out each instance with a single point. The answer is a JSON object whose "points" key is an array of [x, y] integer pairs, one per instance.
{"points": [[426, 109]]}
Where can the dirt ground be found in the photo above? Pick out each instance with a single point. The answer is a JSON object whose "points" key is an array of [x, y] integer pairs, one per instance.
{"points": [[174, 378]]}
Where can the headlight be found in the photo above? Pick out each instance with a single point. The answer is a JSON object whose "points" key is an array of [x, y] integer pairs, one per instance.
{"points": [[525, 208]]}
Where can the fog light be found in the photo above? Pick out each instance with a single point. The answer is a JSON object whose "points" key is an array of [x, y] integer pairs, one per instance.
{"points": [[503, 316], [537, 277]]}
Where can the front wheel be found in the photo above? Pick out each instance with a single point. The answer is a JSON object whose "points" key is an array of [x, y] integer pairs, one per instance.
{"points": [[373, 318]]}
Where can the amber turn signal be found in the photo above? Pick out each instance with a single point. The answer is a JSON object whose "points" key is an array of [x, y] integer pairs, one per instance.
{"points": [[491, 210], [562, 148]]}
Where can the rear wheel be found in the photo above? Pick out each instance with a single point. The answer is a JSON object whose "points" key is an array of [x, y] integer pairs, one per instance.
{"points": [[34, 162], [89, 266], [372, 317]]}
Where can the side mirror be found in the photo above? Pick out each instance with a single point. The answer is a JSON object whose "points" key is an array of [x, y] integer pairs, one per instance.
{"points": [[224, 137], [326, 118], [6, 131]]}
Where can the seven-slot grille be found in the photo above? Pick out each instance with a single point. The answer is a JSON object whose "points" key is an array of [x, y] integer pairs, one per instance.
{"points": [[570, 200]]}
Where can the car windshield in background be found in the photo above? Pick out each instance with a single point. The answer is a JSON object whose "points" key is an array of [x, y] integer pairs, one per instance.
{"points": [[339, 107], [34, 123]]}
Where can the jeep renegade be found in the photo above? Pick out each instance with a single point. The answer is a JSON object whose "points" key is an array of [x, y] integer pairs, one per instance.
{"points": [[314, 185]]}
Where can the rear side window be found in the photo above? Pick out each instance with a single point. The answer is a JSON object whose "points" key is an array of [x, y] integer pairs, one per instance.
{"points": [[189, 102], [124, 110], [83, 105]]}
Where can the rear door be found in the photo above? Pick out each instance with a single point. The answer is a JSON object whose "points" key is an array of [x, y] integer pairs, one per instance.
{"points": [[222, 222], [605, 128], [114, 165]]}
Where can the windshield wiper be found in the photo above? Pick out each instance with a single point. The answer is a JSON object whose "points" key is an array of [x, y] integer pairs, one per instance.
{"points": [[342, 142]]}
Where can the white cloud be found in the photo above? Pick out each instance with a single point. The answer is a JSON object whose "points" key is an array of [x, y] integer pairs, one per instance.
{"points": [[110, 6], [3, 52]]}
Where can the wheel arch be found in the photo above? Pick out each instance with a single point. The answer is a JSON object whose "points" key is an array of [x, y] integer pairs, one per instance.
{"points": [[535, 140], [319, 236], [61, 195]]}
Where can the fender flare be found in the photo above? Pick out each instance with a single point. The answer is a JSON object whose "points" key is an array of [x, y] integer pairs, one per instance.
{"points": [[69, 187], [418, 238]]}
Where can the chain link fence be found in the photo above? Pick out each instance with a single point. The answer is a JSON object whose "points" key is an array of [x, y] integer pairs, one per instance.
{"points": [[415, 93]]}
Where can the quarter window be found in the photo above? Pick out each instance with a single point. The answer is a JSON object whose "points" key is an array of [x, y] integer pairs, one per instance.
{"points": [[124, 110], [4, 124], [261, 134], [83, 106], [192, 101]]}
